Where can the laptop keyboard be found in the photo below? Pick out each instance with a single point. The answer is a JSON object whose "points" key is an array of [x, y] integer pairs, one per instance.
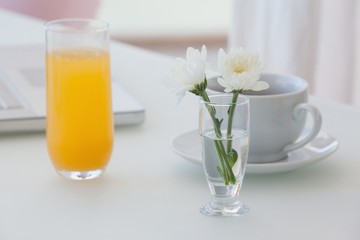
{"points": [[7, 98]]}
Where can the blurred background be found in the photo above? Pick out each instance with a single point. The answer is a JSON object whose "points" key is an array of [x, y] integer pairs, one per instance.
{"points": [[169, 27], [161, 25], [318, 40]]}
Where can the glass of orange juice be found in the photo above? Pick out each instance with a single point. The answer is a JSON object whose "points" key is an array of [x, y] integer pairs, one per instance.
{"points": [[79, 118]]}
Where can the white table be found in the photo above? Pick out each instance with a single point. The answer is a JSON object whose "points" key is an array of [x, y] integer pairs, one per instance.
{"points": [[148, 192]]}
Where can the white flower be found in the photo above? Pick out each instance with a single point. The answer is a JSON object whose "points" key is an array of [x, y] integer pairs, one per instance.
{"points": [[240, 70], [187, 73]]}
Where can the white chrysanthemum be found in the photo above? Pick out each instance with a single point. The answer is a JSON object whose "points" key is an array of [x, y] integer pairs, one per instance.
{"points": [[187, 73], [240, 70]]}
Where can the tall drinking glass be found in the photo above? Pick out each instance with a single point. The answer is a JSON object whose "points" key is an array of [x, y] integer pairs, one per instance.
{"points": [[224, 129], [79, 118]]}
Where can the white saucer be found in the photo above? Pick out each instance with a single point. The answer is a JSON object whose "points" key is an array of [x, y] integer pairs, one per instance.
{"points": [[188, 146]]}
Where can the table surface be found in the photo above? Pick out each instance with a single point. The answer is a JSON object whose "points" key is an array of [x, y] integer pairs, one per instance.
{"points": [[149, 192]]}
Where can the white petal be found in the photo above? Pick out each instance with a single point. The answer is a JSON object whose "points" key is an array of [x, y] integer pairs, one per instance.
{"points": [[260, 85], [221, 58], [181, 91], [190, 52], [221, 53], [228, 90], [222, 82], [203, 52]]}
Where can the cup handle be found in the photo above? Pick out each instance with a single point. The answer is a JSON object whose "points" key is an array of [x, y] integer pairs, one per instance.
{"points": [[317, 121]]}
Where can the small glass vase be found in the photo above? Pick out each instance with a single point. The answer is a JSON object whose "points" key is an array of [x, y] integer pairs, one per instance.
{"points": [[224, 130]]}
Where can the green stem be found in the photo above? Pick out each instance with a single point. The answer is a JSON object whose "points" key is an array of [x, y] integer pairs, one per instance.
{"points": [[212, 112], [230, 120], [222, 161], [227, 172]]}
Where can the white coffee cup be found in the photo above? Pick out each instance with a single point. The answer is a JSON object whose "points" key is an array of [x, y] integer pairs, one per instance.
{"points": [[278, 117]]}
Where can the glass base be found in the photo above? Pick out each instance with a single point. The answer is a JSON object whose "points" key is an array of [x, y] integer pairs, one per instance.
{"points": [[217, 207], [81, 175]]}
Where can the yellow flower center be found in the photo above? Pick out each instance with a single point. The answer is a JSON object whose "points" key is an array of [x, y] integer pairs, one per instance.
{"points": [[239, 69]]}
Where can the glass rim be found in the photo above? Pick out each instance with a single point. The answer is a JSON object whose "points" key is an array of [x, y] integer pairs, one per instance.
{"points": [[60, 25], [241, 100]]}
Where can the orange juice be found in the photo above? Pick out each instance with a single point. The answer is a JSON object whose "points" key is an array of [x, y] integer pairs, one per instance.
{"points": [[79, 120]]}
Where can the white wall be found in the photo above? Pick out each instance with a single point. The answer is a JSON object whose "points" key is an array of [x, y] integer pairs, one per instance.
{"points": [[165, 18]]}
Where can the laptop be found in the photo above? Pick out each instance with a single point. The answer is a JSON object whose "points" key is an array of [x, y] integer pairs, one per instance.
{"points": [[23, 93]]}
